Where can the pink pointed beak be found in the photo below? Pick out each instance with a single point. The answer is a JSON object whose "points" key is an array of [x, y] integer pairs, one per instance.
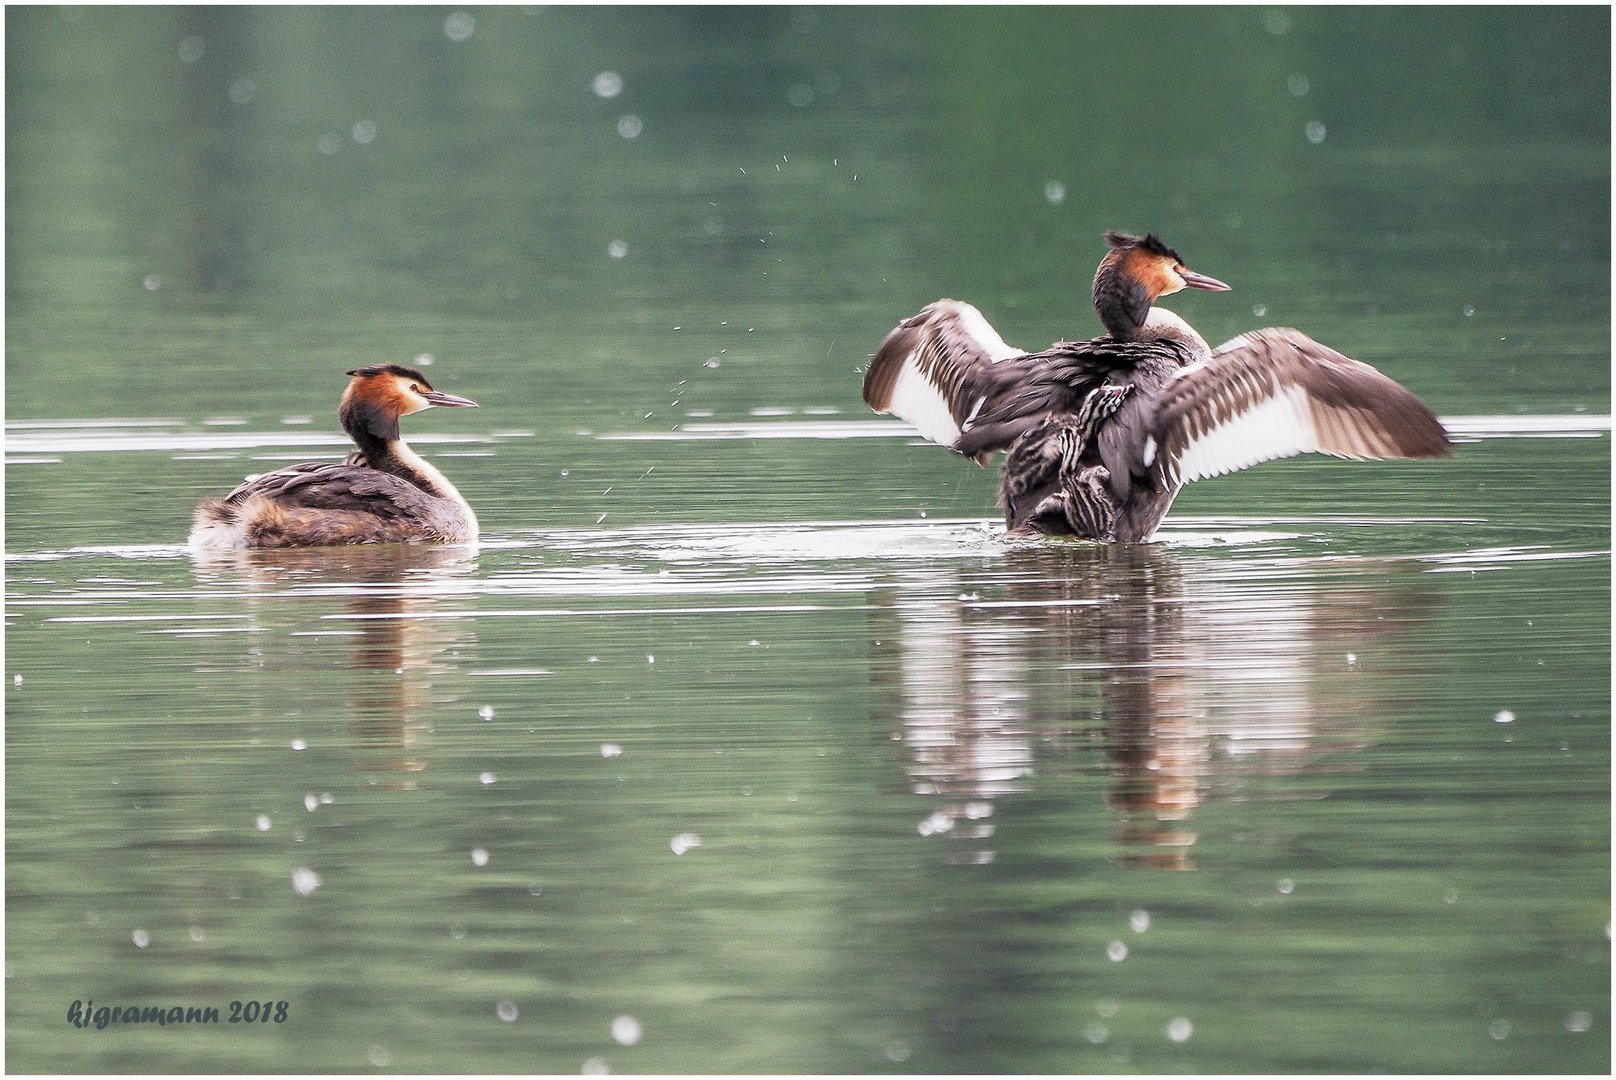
{"points": [[1192, 280], [438, 397]]}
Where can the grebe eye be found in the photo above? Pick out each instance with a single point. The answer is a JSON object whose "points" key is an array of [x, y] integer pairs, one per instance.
{"points": [[414, 388]]}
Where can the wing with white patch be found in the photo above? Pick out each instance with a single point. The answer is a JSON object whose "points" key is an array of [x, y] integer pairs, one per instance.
{"points": [[935, 369], [1276, 392]]}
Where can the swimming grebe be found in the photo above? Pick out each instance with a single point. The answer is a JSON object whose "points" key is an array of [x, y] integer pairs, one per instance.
{"points": [[1102, 434], [383, 493]]}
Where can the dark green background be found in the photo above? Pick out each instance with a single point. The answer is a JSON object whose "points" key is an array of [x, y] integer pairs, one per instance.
{"points": [[1275, 732]]}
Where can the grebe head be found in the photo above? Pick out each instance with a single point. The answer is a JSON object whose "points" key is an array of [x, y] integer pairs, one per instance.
{"points": [[378, 395], [1135, 273]]}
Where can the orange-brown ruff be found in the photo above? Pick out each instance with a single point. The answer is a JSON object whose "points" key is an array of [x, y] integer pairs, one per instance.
{"points": [[1101, 435], [383, 493]]}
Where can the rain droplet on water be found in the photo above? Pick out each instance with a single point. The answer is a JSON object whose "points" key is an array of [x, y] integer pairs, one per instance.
{"points": [[1499, 1029], [800, 95], [459, 26], [1179, 1029], [1315, 131], [486, 712], [608, 84], [897, 1051], [684, 842], [424, 360], [1285, 886], [364, 132], [595, 1067], [305, 881], [263, 823], [507, 1011], [617, 249], [1054, 193], [153, 282], [935, 824], [299, 744], [1096, 1033], [626, 1030], [141, 939], [485, 778], [310, 802], [1139, 921], [191, 50], [242, 91], [329, 143], [379, 1057], [1297, 84], [196, 934], [1116, 952], [1579, 1021], [630, 126], [479, 856], [1504, 716], [610, 750]]}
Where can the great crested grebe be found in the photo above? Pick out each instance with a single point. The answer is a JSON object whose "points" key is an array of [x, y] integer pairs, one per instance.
{"points": [[383, 493], [1102, 434]]}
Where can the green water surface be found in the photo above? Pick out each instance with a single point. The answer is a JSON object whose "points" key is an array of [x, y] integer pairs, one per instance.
{"points": [[743, 742]]}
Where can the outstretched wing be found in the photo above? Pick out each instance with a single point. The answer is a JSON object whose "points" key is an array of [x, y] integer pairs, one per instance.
{"points": [[1276, 392], [329, 485], [937, 369]]}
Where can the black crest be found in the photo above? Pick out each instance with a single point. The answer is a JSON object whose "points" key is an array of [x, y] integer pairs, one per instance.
{"points": [[390, 369], [1149, 242]]}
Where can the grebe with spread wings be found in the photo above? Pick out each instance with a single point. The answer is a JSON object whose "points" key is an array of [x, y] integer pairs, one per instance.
{"points": [[1102, 434]]}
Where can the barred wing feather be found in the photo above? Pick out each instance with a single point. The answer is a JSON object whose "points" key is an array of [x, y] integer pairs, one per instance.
{"points": [[935, 369], [1274, 393]]}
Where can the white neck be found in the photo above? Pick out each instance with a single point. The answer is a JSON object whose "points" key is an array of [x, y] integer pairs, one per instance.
{"points": [[435, 483], [1162, 324]]}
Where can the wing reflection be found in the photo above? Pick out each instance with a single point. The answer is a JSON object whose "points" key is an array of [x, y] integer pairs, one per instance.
{"points": [[398, 660], [1192, 687]]}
